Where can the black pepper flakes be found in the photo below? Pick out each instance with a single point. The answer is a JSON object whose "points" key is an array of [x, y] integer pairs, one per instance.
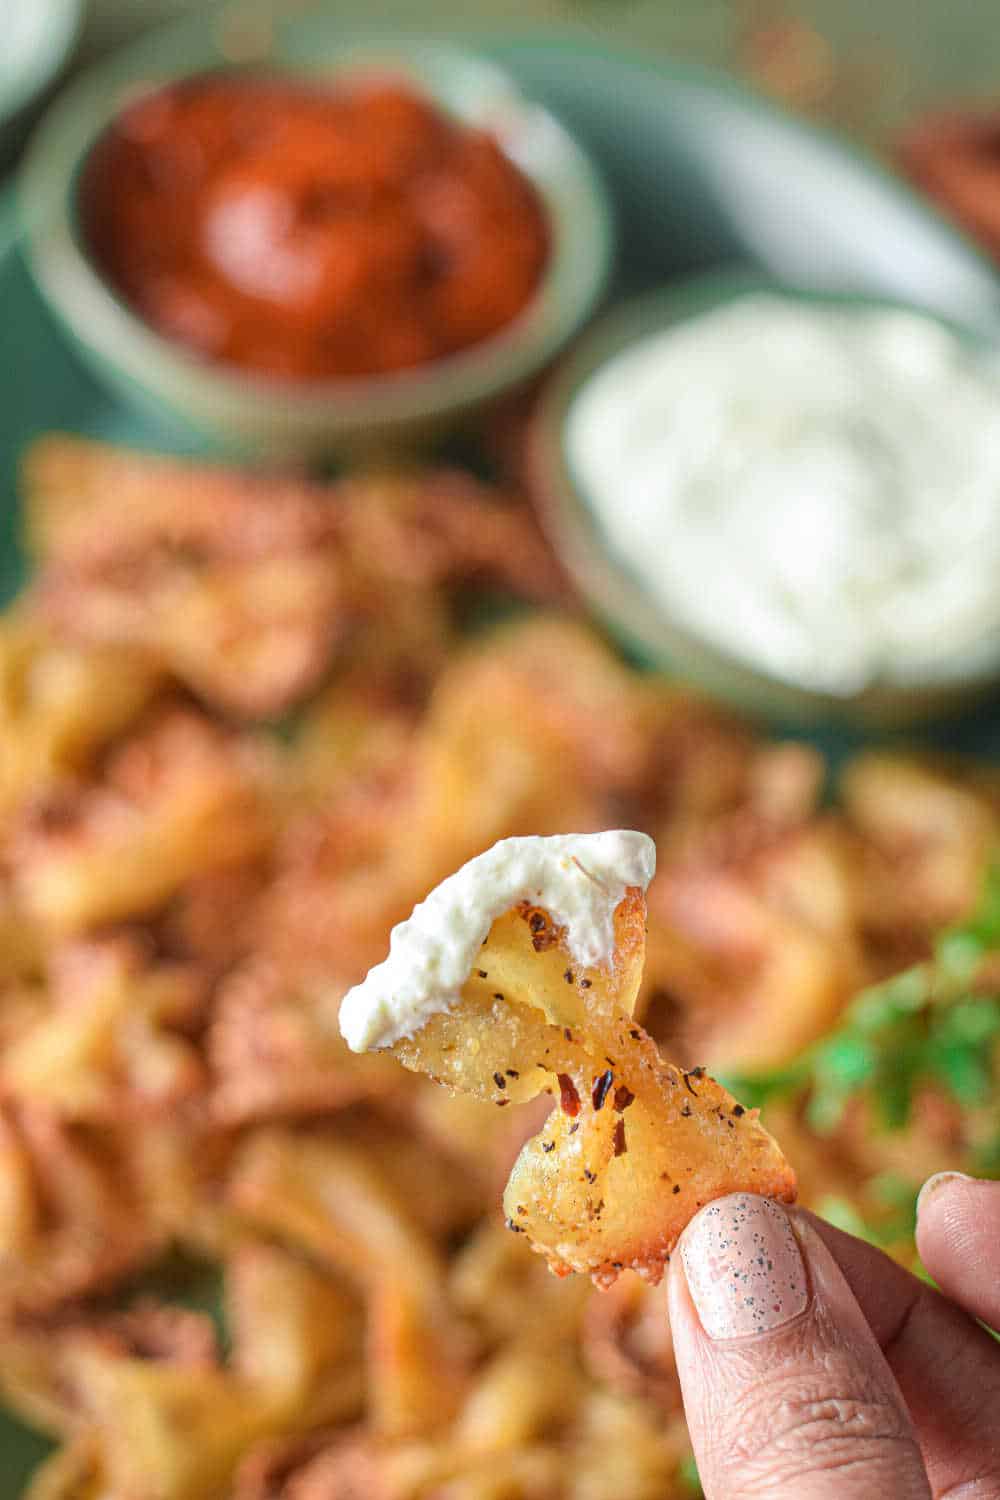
{"points": [[574, 1128], [497, 995], [590, 1176], [482, 974], [676, 1187], [548, 1146], [738, 1110], [585, 984], [687, 1112], [623, 1097], [568, 976], [499, 1080], [601, 1089], [621, 1145], [513, 1073]]}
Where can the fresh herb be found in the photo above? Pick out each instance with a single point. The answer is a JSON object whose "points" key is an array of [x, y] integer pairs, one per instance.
{"points": [[687, 1476], [937, 1023]]}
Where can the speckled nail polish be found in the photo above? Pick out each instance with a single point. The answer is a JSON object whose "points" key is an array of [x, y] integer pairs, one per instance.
{"points": [[744, 1267]]}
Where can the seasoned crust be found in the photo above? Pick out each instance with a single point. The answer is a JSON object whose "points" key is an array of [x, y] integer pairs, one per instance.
{"points": [[634, 1145]]}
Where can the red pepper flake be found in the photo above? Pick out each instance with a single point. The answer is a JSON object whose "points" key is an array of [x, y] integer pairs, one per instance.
{"points": [[499, 1080], [601, 1089], [569, 1099], [620, 1143], [567, 1034], [502, 1102], [623, 1097]]}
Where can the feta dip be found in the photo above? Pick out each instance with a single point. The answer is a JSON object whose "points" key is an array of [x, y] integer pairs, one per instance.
{"points": [[812, 488], [578, 879]]}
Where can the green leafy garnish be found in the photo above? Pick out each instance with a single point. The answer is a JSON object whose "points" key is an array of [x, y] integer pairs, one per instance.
{"points": [[937, 1023]]}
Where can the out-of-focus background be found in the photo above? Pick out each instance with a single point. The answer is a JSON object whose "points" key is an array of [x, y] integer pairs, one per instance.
{"points": [[866, 65], [904, 51]]}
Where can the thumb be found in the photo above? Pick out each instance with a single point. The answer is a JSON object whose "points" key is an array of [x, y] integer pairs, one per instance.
{"points": [[786, 1390]]}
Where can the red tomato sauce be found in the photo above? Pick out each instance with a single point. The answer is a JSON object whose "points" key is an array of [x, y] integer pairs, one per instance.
{"points": [[307, 231]]}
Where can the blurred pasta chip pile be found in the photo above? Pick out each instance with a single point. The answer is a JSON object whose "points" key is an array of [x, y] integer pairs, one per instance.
{"points": [[244, 728]]}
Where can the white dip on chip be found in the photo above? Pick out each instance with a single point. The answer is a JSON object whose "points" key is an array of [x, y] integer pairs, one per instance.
{"points": [[812, 488], [578, 879]]}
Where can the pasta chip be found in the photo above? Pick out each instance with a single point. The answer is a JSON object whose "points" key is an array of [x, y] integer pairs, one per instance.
{"points": [[635, 1145]]}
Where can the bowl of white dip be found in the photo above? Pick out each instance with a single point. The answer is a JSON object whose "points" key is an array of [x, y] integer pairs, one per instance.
{"points": [[792, 498]]}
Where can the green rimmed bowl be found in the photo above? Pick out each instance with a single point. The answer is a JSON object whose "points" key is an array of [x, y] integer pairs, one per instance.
{"points": [[644, 624], [247, 413]]}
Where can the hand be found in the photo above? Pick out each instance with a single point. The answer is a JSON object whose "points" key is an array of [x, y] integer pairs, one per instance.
{"points": [[814, 1366]]}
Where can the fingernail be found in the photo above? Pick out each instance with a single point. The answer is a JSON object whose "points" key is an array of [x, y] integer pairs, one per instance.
{"points": [[743, 1266], [935, 1183]]}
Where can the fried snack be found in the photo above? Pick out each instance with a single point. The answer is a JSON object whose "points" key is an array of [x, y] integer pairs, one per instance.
{"points": [[635, 1146], [72, 1222], [110, 1045], [764, 951], [243, 587], [59, 703], [35, 1357], [178, 798], [285, 1185], [275, 1051], [166, 1432], [297, 1335]]}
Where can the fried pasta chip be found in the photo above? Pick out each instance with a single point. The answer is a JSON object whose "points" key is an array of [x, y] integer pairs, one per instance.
{"points": [[329, 1200], [60, 702], [519, 975], [178, 797], [297, 1334], [71, 1221], [110, 1044]]}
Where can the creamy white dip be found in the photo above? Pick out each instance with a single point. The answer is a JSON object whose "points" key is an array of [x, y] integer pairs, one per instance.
{"points": [[578, 879], [814, 489]]}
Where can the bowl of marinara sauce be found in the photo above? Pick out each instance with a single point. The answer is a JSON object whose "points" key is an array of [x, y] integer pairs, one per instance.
{"points": [[310, 262]]}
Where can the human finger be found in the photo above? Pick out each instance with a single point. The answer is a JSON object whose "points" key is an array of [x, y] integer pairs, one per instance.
{"points": [[958, 1237], [786, 1389]]}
